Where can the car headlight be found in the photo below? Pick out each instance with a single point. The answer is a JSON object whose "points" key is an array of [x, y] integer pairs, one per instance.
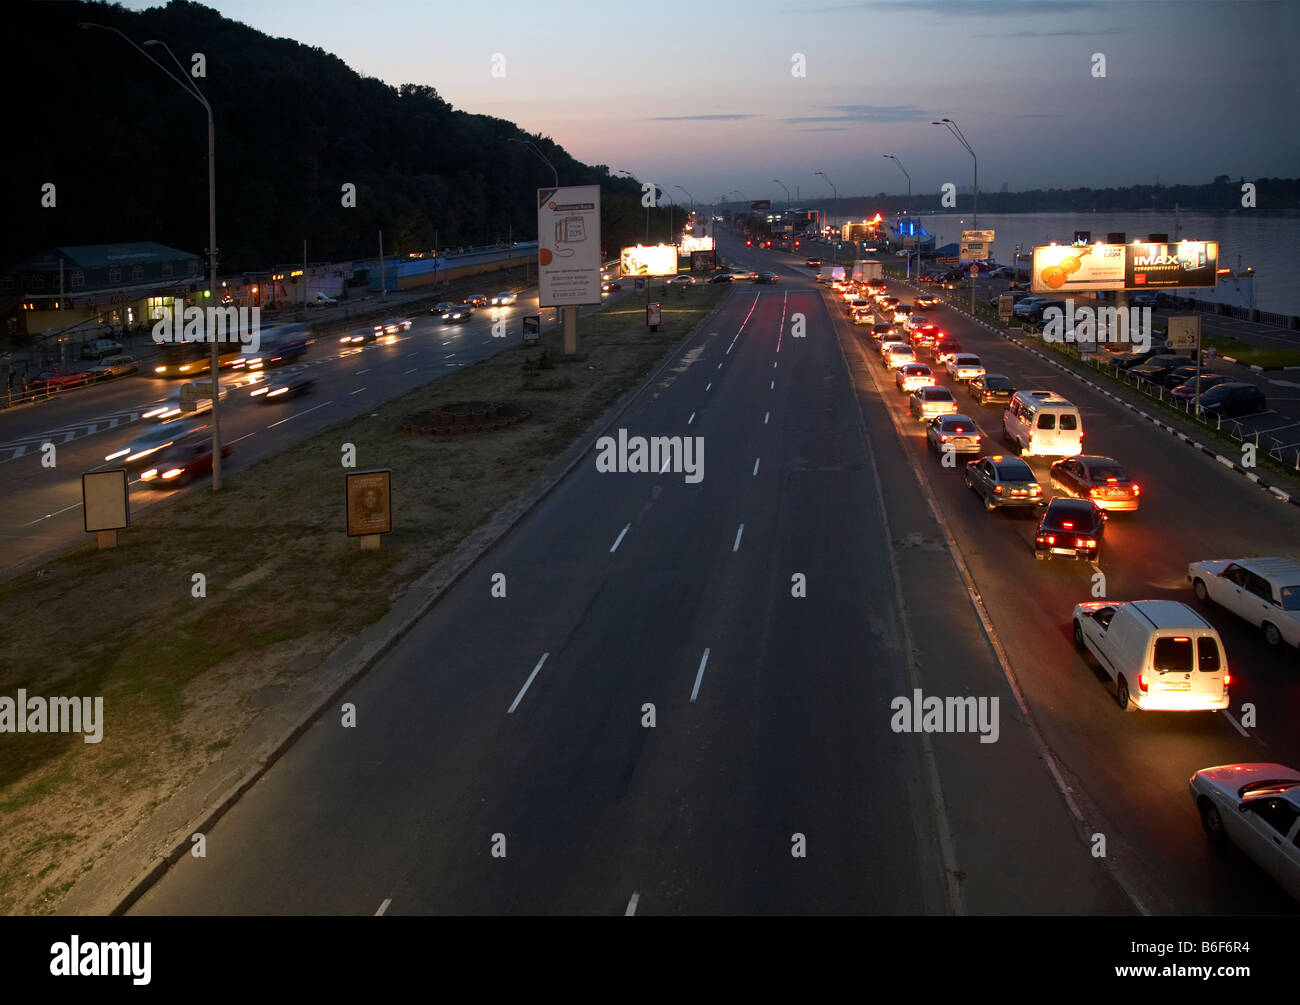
{"points": [[149, 475], [172, 473]]}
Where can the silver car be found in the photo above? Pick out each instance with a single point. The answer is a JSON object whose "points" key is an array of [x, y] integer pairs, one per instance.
{"points": [[1257, 807]]}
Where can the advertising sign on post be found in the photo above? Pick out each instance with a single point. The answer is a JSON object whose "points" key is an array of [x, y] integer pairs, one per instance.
{"points": [[105, 504], [568, 246], [532, 328], [655, 260], [976, 245], [369, 505], [1184, 332]]}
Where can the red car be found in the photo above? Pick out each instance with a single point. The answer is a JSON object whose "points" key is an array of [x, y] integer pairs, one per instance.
{"points": [[52, 380], [186, 459]]}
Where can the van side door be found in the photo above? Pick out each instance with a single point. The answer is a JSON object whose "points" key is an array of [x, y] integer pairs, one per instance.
{"points": [[1094, 627]]}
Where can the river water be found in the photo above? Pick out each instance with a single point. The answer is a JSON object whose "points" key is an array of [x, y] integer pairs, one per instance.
{"points": [[1271, 244]]}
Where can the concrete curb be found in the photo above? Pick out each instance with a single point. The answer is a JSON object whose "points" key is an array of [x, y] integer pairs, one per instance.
{"points": [[1278, 493], [118, 882]]}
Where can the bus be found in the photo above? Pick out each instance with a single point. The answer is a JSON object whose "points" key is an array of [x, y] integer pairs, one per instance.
{"points": [[185, 359]]}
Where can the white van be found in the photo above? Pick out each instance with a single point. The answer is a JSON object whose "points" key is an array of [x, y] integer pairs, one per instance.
{"points": [[1042, 423], [1161, 654]]}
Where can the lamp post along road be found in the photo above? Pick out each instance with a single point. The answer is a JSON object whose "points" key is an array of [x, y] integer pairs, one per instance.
{"points": [[975, 200], [188, 85]]}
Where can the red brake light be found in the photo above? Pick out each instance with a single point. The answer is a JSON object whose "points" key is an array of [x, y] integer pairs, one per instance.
{"points": [[1067, 524], [1182, 638], [1227, 678], [1142, 682], [1096, 493], [1137, 489]]}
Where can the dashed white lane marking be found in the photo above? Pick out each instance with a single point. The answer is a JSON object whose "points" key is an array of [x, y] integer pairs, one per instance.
{"points": [[719, 366], [357, 391], [631, 905], [756, 465], [383, 907], [691, 419], [357, 374], [766, 416], [739, 530], [283, 421], [412, 370], [708, 385], [772, 386], [699, 676], [520, 696], [619, 540], [244, 437]]}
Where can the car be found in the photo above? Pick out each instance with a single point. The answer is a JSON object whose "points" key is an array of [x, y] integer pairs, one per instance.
{"points": [[1263, 591], [360, 336], [56, 380], [170, 407], [915, 322], [1136, 357], [898, 354], [613, 285], [282, 388], [182, 461], [1070, 528], [457, 313], [476, 300], [991, 387], [925, 303], [1036, 312], [928, 402], [1002, 272], [1018, 296], [1180, 375], [862, 316], [1101, 479], [1187, 391], [504, 299], [819, 278], [956, 433], [964, 366], [1255, 806], [875, 286], [1161, 654], [951, 282], [888, 302], [1157, 366], [1002, 480], [114, 366], [154, 439], [813, 263], [1042, 423], [1232, 398], [101, 347], [943, 349], [320, 300], [722, 277], [391, 326], [881, 330], [766, 277], [927, 335], [1024, 305], [927, 277], [913, 376], [682, 280]]}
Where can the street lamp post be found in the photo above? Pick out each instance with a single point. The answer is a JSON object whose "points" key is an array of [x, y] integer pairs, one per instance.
{"points": [[836, 193], [975, 201], [529, 144], [689, 196], [192, 89], [787, 193]]}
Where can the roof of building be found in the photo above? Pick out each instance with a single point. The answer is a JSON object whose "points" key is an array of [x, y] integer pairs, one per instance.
{"points": [[105, 256]]}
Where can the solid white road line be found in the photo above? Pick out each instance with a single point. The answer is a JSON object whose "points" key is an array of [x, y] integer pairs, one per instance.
{"points": [[619, 540], [756, 465], [283, 421], [631, 905], [699, 676], [1235, 724], [383, 907], [691, 419], [739, 530], [520, 696]]}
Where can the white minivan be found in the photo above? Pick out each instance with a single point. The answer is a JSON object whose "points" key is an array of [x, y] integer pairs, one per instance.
{"points": [[1161, 654], [1042, 423]]}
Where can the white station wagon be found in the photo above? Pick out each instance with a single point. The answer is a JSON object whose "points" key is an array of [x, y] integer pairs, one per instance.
{"points": [[1264, 591]]}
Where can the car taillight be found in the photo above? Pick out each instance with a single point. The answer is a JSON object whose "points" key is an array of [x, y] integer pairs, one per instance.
{"points": [[1036, 489], [1049, 539], [1137, 489], [943, 438], [1096, 493], [1067, 524], [997, 490], [1084, 542], [1142, 682], [1227, 679]]}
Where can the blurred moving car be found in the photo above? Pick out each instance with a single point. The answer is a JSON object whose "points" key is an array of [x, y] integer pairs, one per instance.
{"points": [[722, 277], [505, 298], [1001, 480], [1262, 591], [1101, 479], [391, 326], [282, 388], [476, 300], [181, 462], [1070, 528], [1255, 806], [155, 438], [454, 313], [170, 407], [682, 280], [813, 263]]}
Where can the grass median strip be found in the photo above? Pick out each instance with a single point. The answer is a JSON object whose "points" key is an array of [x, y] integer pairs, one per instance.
{"points": [[180, 674]]}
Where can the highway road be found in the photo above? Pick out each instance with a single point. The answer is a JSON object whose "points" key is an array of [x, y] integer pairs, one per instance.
{"points": [[505, 758], [40, 506]]}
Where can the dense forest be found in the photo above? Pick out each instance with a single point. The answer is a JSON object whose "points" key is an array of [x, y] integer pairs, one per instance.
{"points": [[126, 148]]}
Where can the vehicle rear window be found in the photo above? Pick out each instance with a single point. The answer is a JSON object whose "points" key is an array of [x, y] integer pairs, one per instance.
{"points": [[1047, 421], [1173, 654], [1100, 474], [1069, 421], [1208, 659]]}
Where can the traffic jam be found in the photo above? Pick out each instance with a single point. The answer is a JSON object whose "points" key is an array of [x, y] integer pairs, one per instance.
{"points": [[1023, 460]]}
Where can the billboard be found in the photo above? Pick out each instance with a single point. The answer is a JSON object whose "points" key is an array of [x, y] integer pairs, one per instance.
{"points": [[568, 246], [703, 261], [690, 244], [1189, 264], [643, 260], [976, 245], [760, 206]]}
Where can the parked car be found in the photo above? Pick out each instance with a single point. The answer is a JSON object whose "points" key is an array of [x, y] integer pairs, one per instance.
{"points": [[1187, 390], [1001, 480], [1070, 528], [114, 366], [1263, 591], [55, 380], [1233, 398], [991, 387], [101, 347], [1255, 806], [1101, 479], [1161, 654], [1157, 366]]}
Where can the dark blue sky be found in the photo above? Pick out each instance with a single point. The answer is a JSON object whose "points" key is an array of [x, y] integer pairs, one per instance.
{"points": [[703, 95]]}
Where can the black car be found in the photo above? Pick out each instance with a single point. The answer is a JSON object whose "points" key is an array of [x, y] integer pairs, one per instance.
{"points": [[722, 277], [991, 387], [1036, 312], [453, 313], [1157, 366], [1070, 528], [283, 388], [1128, 360], [765, 277], [612, 286], [1181, 375], [1000, 480], [1233, 398]]}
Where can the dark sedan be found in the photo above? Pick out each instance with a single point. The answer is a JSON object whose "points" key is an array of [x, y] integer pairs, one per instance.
{"points": [[1156, 367], [1002, 480], [765, 277], [1187, 391], [1101, 479], [1070, 528], [722, 277], [1233, 398], [991, 387]]}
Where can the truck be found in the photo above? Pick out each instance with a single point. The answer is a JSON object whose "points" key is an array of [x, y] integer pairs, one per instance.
{"points": [[837, 273], [865, 269]]}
